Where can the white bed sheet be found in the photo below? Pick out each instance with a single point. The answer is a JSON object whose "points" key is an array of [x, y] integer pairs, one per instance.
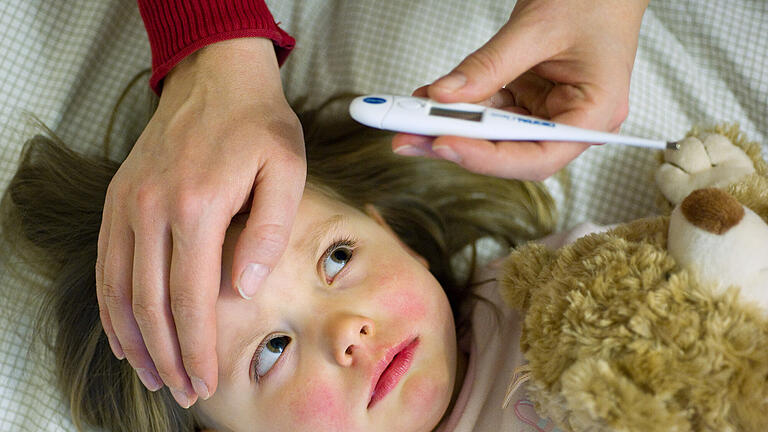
{"points": [[699, 62]]}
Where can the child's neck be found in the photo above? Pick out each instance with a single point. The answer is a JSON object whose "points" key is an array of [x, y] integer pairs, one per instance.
{"points": [[462, 361]]}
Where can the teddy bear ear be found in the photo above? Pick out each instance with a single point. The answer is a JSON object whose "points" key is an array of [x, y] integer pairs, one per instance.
{"points": [[522, 272]]}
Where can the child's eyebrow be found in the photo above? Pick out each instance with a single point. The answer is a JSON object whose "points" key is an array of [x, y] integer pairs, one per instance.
{"points": [[310, 242]]}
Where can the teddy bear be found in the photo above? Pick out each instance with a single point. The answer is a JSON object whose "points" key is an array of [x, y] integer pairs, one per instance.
{"points": [[660, 324]]}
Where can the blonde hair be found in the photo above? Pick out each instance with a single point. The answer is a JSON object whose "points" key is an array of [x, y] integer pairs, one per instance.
{"points": [[52, 213]]}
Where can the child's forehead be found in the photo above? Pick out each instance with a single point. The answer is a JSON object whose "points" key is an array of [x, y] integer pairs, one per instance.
{"points": [[320, 216], [317, 202], [316, 211]]}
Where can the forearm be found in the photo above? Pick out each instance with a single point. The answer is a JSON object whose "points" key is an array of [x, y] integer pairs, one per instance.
{"points": [[175, 32]]}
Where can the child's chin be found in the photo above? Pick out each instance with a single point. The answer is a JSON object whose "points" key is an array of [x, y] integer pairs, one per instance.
{"points": [[425, 398]]}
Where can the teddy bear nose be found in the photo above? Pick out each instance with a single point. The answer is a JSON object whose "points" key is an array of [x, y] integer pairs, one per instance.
{"points": [[712, 210]]}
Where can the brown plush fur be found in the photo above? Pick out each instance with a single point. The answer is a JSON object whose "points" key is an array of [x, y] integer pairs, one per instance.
{"points": [[619, 338]]}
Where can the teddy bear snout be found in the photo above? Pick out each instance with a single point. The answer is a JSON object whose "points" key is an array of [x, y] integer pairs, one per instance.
{"points": [[712, 210]]}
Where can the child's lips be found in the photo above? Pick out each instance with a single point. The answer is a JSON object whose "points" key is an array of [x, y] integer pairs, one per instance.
{"points": [[391, 369]]}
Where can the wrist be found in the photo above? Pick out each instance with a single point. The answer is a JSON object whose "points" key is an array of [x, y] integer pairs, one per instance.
{"points": [[240, 66], [234, 51]]}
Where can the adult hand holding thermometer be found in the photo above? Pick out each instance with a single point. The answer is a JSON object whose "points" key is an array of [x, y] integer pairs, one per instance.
{"points": [[422, 116]]}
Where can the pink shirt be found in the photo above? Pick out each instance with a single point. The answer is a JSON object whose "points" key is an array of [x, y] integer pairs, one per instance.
{"points": [[494, 356]]}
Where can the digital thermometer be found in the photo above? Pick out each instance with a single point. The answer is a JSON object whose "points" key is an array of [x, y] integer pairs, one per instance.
{"points": [[422, 116]]}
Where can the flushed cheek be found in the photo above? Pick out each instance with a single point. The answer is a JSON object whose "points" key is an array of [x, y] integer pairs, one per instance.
{"points": [[317, 406], [401, 299]]}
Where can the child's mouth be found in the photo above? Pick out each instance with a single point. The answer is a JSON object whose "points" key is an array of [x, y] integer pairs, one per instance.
{"points": [[392, 368]]}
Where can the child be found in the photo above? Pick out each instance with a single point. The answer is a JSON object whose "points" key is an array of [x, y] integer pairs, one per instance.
{"points": [[363, 325]]}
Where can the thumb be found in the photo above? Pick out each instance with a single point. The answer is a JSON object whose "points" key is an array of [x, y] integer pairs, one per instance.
{"points": [[509, 53], [262, 242]]}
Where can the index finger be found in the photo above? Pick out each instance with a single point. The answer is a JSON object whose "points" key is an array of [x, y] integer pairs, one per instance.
{"points": [[517, 47], [528, 160], [525, 160], [276, 197]]}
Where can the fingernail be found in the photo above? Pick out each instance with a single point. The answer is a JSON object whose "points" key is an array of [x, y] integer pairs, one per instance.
{"points": [[149, 379], [200, 388], [451, 82], [181, 397], [250, 279], [408, 150], [117, 349], [447, 153]]}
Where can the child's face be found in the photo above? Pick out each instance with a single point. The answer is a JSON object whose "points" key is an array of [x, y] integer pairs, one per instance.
{"points": [[346, 296]]}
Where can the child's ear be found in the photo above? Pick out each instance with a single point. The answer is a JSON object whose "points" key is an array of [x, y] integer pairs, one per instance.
{"points": [[374, 214]]}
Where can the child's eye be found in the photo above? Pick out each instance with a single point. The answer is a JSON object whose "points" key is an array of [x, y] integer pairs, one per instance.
{"points": [[336, 257], [267, 354]]}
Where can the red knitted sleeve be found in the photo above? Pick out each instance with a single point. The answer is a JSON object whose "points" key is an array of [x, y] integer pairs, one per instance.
{"points": [[177, 28]]}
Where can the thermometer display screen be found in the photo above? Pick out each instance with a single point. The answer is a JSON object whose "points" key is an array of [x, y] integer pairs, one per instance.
{"points": [[457, 114]]}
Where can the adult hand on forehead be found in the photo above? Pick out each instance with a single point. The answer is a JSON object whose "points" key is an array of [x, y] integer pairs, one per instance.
{"points": [[222, 141], [566, 61]]}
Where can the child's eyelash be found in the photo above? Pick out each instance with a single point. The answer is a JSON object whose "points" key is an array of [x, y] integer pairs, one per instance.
{"points": [[255, 360], [344, 242], [347, 241]]}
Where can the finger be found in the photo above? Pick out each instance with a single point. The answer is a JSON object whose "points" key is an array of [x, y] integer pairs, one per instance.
{"points": [[523, 160], [532, 91], [518, 110], [501, 99], [421, 91], [512, 51], [276, 197], [102, 243], [589, 113], [412, 145], [152, 310], [195, 279], [116, 295], [406, 144], [519, 159], [593, 106]]}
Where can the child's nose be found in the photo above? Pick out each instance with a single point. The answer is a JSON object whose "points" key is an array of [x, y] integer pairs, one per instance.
{"points": [[350, 336]]}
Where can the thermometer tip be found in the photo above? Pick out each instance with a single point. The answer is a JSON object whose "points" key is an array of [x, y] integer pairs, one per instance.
{"points": [[673, 145]]}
